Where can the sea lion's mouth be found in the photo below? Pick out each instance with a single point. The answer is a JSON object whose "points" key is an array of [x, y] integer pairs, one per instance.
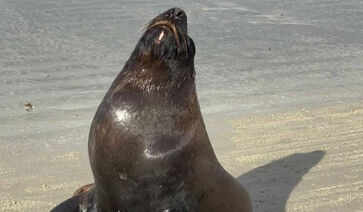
{"points": [[168, 24]]}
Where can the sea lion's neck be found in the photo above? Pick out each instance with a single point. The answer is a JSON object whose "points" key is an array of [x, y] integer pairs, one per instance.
{"points": [[157, 80]]}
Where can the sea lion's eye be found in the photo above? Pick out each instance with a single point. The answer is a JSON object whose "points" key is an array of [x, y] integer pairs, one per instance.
{"points": [[161, 36]]}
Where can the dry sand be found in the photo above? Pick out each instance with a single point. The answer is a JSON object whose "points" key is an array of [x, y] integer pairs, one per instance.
{"points": [[301, 160]]}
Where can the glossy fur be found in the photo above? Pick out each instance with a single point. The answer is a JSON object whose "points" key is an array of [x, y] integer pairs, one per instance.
{"points": [[148, 147]]}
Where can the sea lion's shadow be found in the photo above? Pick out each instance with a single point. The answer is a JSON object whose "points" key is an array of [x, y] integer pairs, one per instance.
{"points": [[270, 185]]}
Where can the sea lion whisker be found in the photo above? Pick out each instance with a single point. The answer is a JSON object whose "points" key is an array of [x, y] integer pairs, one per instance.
{"points": [[186, 45], [144, 26]]}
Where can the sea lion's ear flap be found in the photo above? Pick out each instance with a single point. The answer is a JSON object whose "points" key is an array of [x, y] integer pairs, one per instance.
{"points": [[191, 49]]}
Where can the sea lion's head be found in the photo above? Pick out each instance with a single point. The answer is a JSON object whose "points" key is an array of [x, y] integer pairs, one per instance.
{"points": [[167, 36], [165, 49]]}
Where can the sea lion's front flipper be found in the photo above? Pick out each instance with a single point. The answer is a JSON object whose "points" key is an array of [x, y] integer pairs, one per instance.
{"points": [[84, 189], [83, 200]]}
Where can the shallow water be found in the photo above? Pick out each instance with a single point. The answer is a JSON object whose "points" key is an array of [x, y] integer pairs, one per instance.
{"points": [[252, 56]]}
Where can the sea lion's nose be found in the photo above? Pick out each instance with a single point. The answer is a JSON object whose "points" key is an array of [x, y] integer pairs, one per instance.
{"points": [[177, 17], [177, 13]]}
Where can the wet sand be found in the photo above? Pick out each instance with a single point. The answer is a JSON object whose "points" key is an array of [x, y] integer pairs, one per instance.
{"points": [[302, 160]]}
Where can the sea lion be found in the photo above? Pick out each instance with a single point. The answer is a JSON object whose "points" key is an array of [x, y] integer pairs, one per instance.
{"points": [[148, 146]]}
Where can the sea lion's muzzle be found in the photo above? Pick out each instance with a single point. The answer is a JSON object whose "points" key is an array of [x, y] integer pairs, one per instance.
{"points": [[176, 20], [177, 17]]}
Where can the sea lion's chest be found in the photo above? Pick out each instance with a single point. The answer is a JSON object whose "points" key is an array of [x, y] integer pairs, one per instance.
{"points": [[133, 133], [149, 154]]}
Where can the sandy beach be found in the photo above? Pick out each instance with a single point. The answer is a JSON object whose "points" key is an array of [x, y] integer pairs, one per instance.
{"points": [[301, 160], [280, 85]]}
